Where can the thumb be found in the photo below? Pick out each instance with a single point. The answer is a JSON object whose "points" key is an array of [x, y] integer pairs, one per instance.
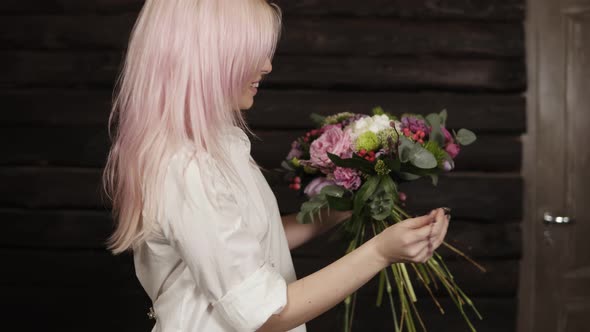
{"points": [[421, 221]]}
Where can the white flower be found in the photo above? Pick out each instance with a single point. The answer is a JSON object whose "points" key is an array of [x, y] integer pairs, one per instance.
{"points": [[373, 123]]}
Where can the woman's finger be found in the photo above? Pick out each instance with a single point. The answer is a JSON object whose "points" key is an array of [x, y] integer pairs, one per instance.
{"points": [[419, 222], [426, 252], [441, 237], [425, 233]]}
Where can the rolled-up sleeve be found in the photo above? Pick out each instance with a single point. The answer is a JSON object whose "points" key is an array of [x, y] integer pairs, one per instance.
{"points": [[209, 232]]}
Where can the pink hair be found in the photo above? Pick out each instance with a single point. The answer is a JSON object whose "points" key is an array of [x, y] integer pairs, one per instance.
{"points": [[187, 64]]}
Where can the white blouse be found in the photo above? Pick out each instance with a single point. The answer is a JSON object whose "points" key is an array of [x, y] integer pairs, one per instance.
{"points": [[219, 259]]}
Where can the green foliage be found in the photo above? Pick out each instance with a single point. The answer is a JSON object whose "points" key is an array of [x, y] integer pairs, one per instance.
{"points": [[436, 134], [465, 137], [355, 162], [364, 193], [378, 110], [317, 119], [414, 153], [439, 154], [329, 196]]}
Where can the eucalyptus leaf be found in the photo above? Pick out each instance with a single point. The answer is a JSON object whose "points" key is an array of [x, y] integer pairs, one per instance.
{"points": [[405, 149], [434, 178], [465, 137], [408, 176], [422, 158], [436, 133], [443, 116]]}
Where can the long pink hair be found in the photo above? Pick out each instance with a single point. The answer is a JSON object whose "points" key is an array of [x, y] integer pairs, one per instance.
{"points": [[187, 64]]}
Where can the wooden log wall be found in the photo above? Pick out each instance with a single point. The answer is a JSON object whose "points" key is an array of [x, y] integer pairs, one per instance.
{"points": [[59, 58]]}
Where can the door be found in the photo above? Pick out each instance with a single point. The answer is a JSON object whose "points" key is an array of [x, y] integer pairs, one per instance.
{"points": [[555, 269]]}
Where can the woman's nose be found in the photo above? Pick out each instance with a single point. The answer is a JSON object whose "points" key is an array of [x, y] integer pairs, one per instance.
{"points": [[267, 68]]}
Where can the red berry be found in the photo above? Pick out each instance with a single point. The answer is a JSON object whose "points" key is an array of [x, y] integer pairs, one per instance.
{"points": [[362, 152], [371, 153], [306, 139], [415, 137], [421, 141], [291, 186], [422, 134], [297, 179], [296, 186]]}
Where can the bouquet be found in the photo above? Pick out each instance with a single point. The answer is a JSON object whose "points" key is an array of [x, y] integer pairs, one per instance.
{"points": [[355, 162]]}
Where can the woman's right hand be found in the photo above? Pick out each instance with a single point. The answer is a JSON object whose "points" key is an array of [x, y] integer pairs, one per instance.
{"points": [[413, 240]]}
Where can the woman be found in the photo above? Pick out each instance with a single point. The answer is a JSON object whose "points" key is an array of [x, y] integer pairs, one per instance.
{"points": [[210, 247]]}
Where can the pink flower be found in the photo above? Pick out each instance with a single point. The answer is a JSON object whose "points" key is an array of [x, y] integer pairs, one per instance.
{"points": [[448, 137], [314, 187], [453, 150], [347, 177], [333, 140], [295, 150]]}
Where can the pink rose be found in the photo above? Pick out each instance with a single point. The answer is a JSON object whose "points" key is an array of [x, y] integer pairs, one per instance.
{"points": [[453, 150], [347, 177], [314, 187], [333, 140]]}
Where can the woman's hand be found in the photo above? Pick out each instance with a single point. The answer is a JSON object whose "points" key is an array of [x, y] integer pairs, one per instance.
{"points": [[413, 240]]}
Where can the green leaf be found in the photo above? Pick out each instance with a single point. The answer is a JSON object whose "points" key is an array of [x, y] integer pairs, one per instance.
{"points": [[332, 190], [317, 119], [436, 133], [465, 137], [408, 176], [287, 165], [339, 203], [434, 178], [378, 110], [422, 158], [443, 116], [405, 149], [363, 194], [393, 164], [388, 185], [354, 162]]}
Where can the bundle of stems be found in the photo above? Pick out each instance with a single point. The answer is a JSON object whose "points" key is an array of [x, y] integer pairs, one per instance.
{"points": [[396, 282]]}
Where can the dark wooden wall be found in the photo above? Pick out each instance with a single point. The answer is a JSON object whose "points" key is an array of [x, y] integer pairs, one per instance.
{"points": [[59, 58]]}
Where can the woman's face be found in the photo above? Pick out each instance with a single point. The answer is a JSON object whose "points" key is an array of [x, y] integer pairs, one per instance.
{"points": [[247, 98]]}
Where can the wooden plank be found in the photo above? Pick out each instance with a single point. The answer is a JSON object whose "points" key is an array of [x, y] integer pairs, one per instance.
{"points": [[55, 147], [478, 111], [447, 9], [309, 36], [499, 315], [477, 196], [101, 270], [276, 109], [84, 309], [94, 68], [76, 309], [477, 240], [80, 229]]}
